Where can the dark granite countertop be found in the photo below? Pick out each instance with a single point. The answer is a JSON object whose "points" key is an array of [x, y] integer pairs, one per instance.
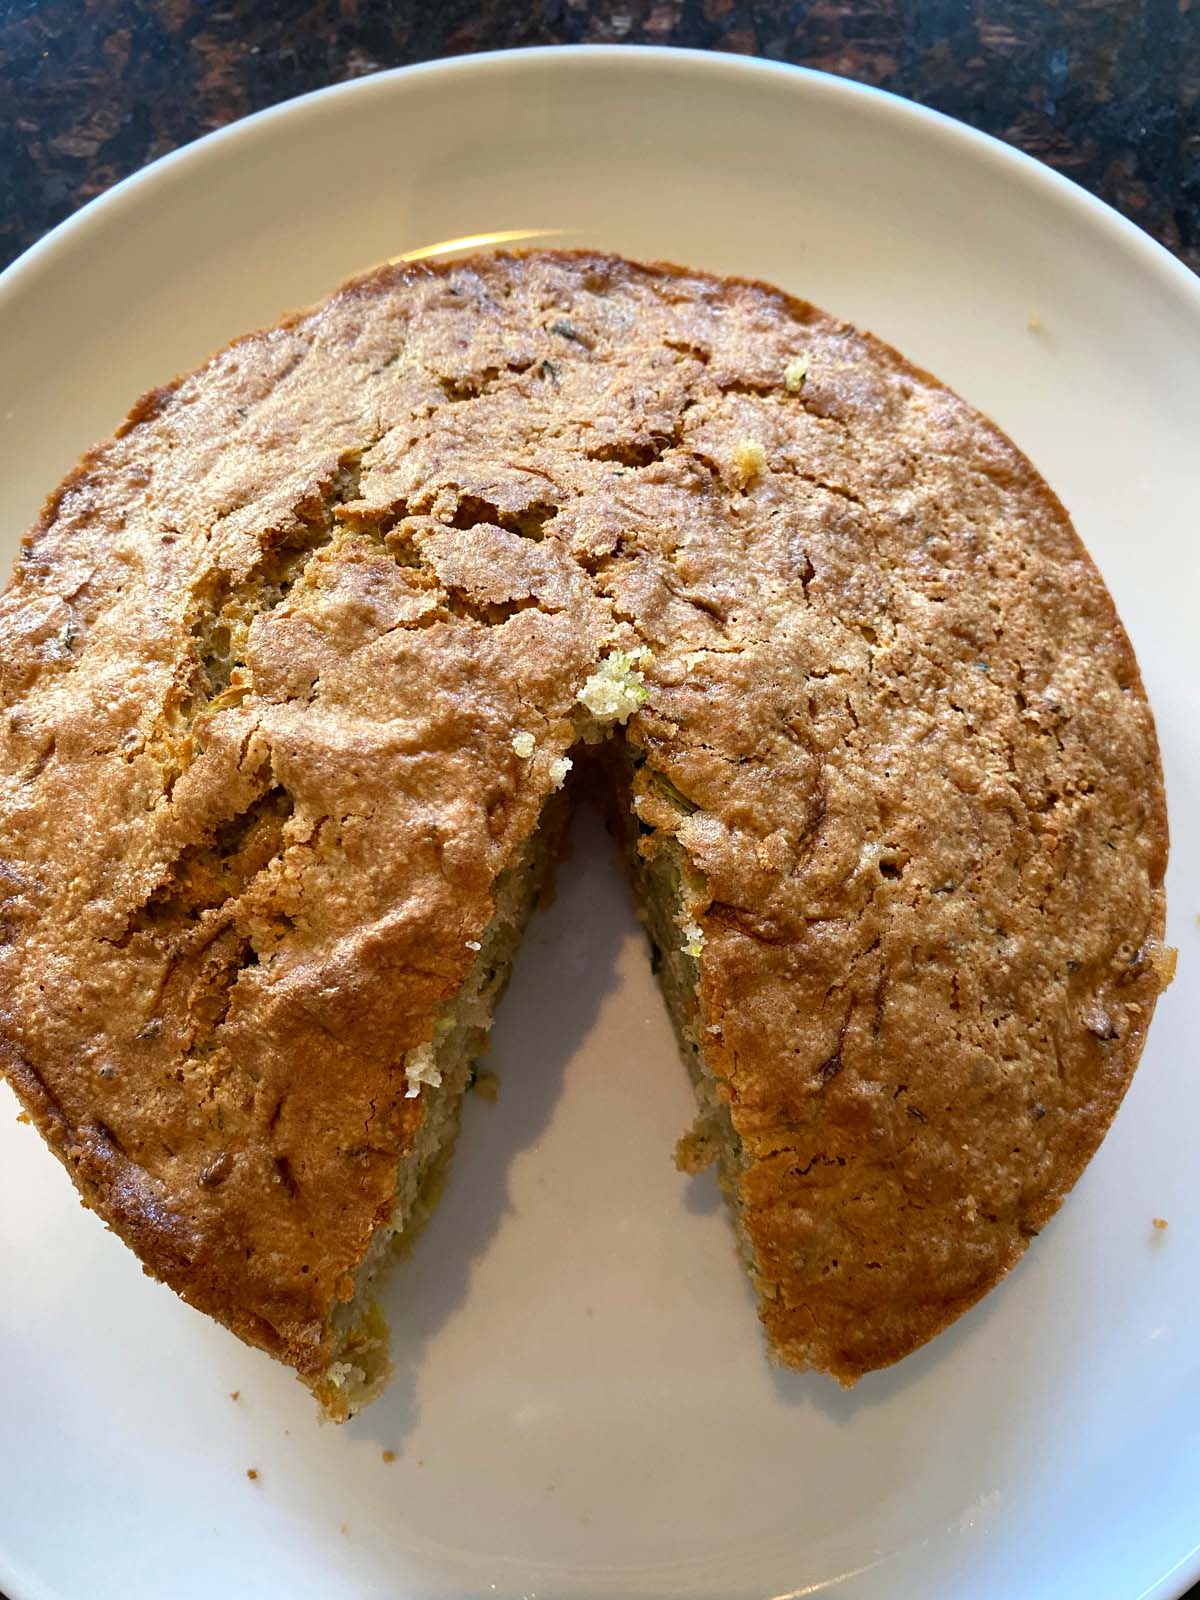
{"points": [[1107, 91]]}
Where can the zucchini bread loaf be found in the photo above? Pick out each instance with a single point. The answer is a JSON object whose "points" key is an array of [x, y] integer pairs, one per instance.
{"points": [[292, 669]]}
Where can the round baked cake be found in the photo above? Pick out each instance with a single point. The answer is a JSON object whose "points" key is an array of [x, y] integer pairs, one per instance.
{"points": [[294, 669]]}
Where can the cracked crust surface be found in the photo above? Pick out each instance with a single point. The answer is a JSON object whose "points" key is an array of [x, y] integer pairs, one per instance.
{"points": [[263, 663]]}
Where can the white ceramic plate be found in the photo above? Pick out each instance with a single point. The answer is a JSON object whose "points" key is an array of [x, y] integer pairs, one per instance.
{"points": [[581, 1405]]}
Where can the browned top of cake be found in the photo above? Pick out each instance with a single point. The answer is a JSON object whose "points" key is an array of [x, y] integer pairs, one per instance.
{"points": [[264, 661]]}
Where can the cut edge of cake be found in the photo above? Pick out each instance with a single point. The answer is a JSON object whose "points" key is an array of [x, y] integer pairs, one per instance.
{"points": [[441, 1073]]}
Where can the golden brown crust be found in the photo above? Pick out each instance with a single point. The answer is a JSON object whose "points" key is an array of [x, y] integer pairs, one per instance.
{"points": [[263, 663]]}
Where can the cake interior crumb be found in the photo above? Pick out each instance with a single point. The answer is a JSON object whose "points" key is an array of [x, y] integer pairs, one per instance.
{"points": [[794, 374], [486, 1085], [750, 459], [617, 687]]}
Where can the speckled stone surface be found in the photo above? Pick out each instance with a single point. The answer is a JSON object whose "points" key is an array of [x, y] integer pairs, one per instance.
{"points": [[1107, 91]]}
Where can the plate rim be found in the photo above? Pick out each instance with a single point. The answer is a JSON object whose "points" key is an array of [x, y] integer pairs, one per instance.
{"points": [[1148, 254], [1176, 274]]}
